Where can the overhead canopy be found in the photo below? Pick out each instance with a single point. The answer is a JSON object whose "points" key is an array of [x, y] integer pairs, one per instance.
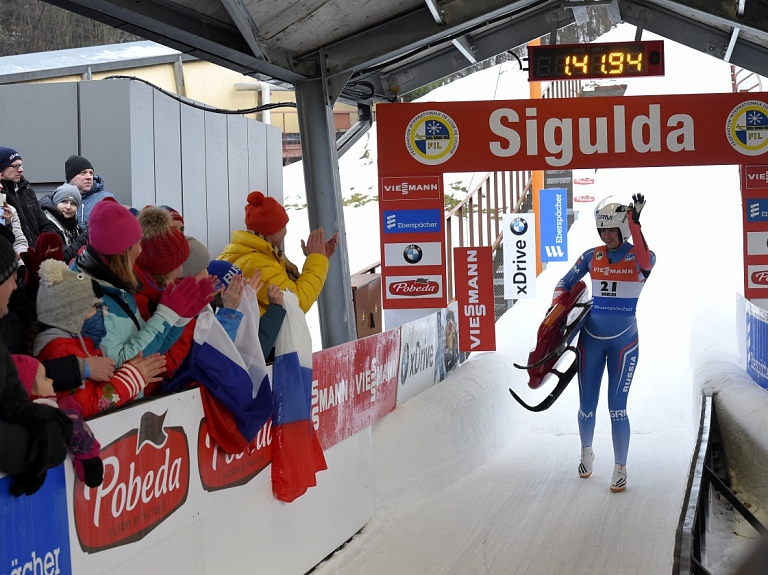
{"points": [[368, 50]]}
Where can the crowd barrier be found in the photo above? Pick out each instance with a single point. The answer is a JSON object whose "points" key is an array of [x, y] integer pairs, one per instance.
{"points": [[172, 502]]}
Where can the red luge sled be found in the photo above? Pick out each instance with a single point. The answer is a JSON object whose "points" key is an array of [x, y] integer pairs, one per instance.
{"points": [[557, 330]]}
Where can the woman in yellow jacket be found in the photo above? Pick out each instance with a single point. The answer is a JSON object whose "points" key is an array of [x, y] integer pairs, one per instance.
{"points": [[259, 247]]}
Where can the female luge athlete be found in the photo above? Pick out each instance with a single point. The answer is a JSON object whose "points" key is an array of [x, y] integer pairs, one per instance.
{"points": [[609, 338]]}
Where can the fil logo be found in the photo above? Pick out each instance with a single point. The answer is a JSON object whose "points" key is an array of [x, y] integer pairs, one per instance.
{"points": [[554, 251], [391, 221]]}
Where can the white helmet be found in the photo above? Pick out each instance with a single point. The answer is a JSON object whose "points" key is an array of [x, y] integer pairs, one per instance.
{"points": [[612, 214]]}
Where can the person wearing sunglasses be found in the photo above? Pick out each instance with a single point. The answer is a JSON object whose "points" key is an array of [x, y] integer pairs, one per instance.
{"points": [[20, 194]]}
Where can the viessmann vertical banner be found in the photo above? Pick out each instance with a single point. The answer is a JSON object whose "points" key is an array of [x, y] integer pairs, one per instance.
{"points": [[473, 281], [412, 242]]}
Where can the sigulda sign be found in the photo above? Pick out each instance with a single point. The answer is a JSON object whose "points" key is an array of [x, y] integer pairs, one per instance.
{"points": [[629, 131]]}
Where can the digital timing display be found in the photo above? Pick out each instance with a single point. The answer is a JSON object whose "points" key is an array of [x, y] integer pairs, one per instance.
{"points": [[606, 60]]}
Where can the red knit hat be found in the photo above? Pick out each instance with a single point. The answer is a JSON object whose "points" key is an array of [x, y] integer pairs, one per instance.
{"points": [[163, 247], [27, 367], [112, 229], [264, 215]]}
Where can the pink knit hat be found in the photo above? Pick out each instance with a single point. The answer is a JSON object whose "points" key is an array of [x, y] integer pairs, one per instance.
{"points": [[112, 229], [27, 367]]}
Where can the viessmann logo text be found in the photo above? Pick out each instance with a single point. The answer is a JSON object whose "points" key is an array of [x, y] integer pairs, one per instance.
{"points": [[408, 221], [411, 188]]}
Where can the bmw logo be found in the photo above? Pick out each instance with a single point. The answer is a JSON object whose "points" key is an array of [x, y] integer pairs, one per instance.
{"points": [[518, 226], [412, 254], [404, 363]]}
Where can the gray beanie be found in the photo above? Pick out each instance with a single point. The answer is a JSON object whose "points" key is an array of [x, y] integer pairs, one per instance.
{"points": [[198, 259], [67, 192], [65, 296]]}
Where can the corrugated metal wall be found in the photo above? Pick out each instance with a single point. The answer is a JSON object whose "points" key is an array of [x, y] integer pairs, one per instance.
{"points": [[148, 147]]}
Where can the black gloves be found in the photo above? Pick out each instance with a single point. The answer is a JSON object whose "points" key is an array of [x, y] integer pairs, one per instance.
{"points": [[49, 435], [637, 205]]}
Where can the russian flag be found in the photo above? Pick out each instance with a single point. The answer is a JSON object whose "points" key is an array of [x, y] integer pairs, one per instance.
{"points": [[235, 389], [296, 452]]}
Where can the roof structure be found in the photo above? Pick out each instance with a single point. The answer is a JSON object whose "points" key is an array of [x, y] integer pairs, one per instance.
{"points": [[367, 50]]}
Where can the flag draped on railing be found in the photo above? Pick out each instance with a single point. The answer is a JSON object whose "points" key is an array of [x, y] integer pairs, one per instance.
{"points": [[296, 452]]}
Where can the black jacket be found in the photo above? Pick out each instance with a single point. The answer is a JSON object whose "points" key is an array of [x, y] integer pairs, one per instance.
{"points": [[32, 218], [72, 235]]}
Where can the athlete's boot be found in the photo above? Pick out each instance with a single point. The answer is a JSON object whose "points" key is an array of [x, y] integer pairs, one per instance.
{"points": [[587, 457], [619, 479]]}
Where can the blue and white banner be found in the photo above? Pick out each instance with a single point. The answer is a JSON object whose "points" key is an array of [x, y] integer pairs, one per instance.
{"points": [[35, 528], [553, 219], [757, 344], [409, 221]]}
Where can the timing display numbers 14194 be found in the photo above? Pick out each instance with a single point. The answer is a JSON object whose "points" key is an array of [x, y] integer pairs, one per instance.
{"points": [[597, 60]]}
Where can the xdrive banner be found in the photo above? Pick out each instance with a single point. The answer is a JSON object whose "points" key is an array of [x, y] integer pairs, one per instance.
{"points": [[519, 256], [611, 132], [553, 221]]}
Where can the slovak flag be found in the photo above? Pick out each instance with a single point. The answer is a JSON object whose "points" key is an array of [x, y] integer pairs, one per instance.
{"points": [[235, 389], [296, 452]]}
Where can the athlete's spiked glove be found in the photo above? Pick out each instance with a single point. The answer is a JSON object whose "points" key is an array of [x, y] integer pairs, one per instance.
{"points": [[637, 205]]}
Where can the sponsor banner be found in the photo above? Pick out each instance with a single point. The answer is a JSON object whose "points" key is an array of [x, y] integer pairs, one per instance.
{"points": [[755, 177], [584, 199], [519, 256], [354, 385], [756, 210], [428, 287], [473, 284], [419, 351], [412, 221], [757, 243], [35, 528], [757, 344], [416, 254], [411, 188], [553, 218], [583, 182], [626, 131], [757, 277], [161, 469]]}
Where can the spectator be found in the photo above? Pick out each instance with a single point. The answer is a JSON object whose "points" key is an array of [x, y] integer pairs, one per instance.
{"points": [[20, 195], [33, 437], [176, 220], [271, 320], [114, 243], [78, 171], [61, 209], [72, 322], [164, 250], [259, 247], [83, 445]]}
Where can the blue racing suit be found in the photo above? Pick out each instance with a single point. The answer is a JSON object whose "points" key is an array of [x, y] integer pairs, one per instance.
{"points": [[609, 336]]}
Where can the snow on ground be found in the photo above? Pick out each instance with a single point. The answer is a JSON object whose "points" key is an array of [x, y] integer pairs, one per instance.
{"points": [[469, 482]]}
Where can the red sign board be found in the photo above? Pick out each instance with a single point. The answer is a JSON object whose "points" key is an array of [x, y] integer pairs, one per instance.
{"points": [[220, 470], [754, 194], [627, 131], [355, 385], [146, 479], [584, 199], [413, 266], [473, 282]]}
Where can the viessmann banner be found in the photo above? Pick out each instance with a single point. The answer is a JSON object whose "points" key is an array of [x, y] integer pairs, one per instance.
{"points": [[627, 131]]}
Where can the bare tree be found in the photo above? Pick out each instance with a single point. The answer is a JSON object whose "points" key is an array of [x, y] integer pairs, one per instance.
{"points": [[33, 26]]}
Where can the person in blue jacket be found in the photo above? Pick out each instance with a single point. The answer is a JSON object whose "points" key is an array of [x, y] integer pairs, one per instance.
{"points": [[609, 338]]}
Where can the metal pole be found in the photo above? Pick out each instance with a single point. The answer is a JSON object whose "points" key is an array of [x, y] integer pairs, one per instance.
{"points": [[325, 207]]}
